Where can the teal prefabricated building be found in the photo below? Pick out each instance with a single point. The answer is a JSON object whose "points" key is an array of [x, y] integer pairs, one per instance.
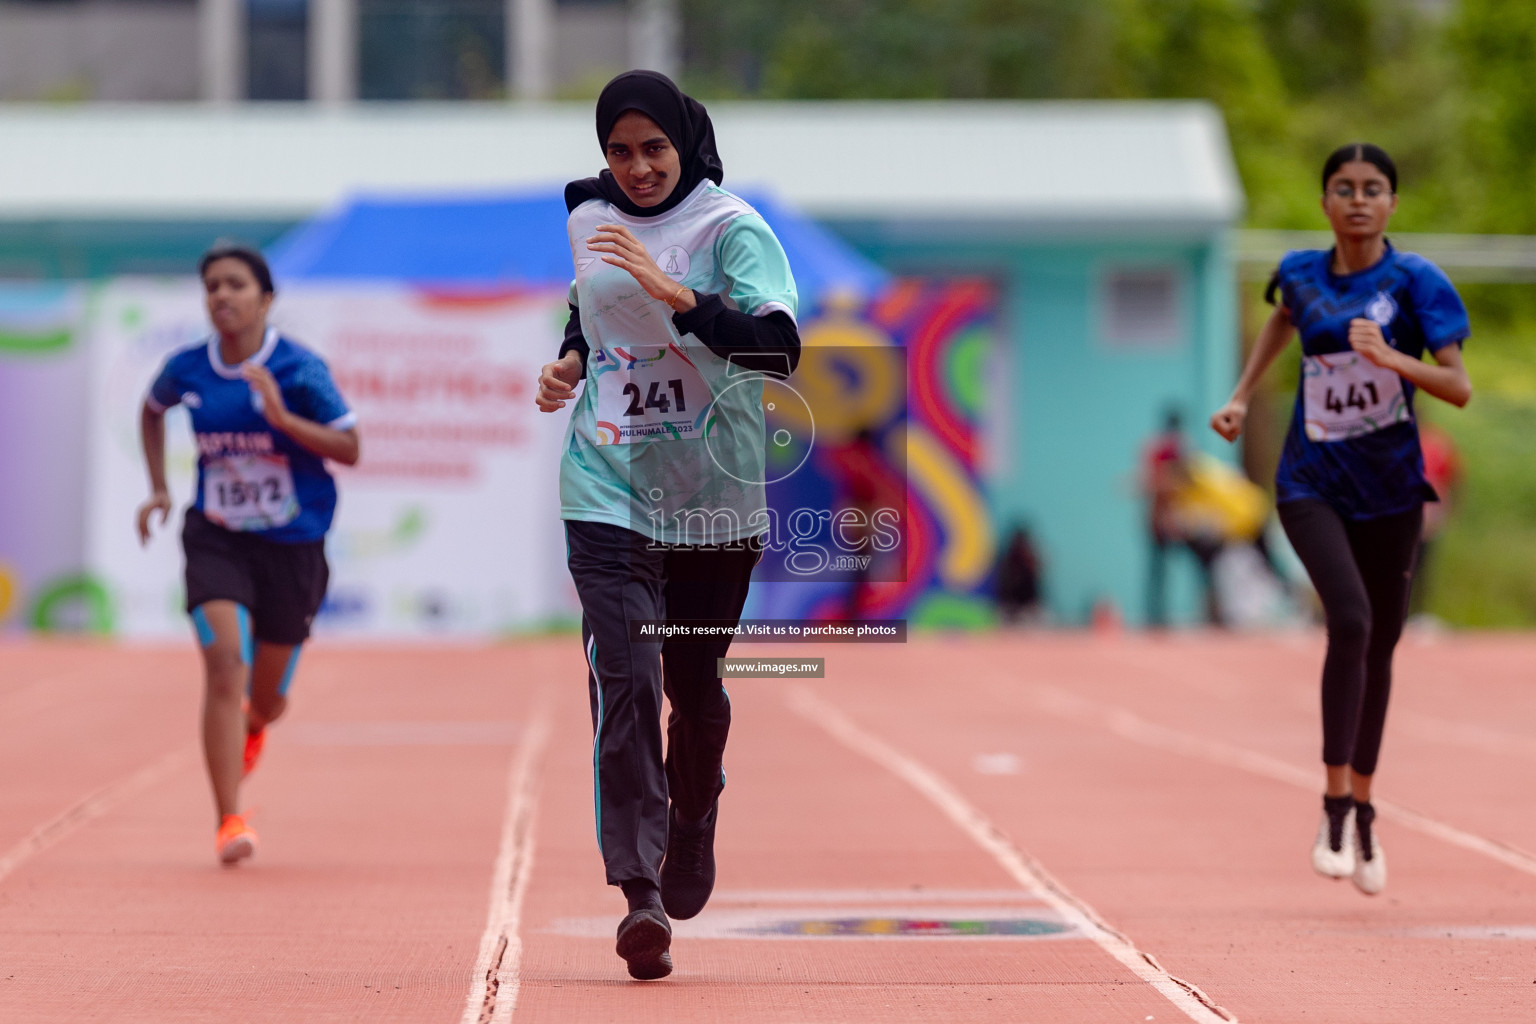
{"points": [[1080, 389], [1106, 230]]}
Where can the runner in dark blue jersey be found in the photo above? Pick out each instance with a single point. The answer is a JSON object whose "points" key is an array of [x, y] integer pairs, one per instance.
{"points": [[1351, 488], [266, 416]]}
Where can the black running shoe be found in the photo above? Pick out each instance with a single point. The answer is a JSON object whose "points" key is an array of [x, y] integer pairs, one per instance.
{"points": [[688, 872], [644, 939]]}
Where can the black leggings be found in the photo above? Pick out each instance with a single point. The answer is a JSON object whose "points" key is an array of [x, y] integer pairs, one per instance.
{"points": [[1362, 570]]}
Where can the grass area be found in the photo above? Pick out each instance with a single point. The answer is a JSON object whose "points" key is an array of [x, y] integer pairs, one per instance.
{"points": [[1484, 570]]}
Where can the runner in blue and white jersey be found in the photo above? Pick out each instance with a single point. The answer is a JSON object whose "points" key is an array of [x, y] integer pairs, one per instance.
{"points": [[683, 302], [1350, 488], [266, 415]]}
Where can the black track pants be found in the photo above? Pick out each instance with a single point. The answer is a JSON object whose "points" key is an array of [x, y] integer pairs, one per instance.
{"points": [[1362, 570], [621, 577]]}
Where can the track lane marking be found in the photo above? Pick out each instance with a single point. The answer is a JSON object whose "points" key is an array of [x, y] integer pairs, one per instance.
{"points": [[1023, 868], [87, 810], [1436, 729], [1429, 726], [498, 968], [49, 683], [1129, 726]]}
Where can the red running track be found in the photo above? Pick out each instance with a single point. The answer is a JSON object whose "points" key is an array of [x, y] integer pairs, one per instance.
{"points": [[1052, 828]]}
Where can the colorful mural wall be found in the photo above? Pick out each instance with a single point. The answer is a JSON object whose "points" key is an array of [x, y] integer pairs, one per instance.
{"points": [[897, 388]]}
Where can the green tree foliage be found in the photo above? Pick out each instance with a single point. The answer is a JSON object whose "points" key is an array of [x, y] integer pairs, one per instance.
{"points": [[907, 49], [971, 49], [1495, 41], [1319, 45], [1213, 50], [1295, 78]]}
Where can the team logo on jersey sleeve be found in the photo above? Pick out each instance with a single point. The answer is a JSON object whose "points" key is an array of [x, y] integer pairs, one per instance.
{"points": [[674, 262], [1381, 309], [192, 400]]}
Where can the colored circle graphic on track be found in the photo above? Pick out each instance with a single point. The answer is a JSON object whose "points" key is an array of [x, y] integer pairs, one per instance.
{"points": [[907, 927], [887, 923]]}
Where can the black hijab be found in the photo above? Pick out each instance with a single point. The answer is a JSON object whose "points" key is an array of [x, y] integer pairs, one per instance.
{"points": [[682, 117]]}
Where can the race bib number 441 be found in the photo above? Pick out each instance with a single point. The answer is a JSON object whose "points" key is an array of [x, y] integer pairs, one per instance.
{"points": [[1345, 395], [648, 395], [249, 492]]}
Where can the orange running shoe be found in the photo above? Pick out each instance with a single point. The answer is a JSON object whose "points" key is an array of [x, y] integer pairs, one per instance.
{"points": [[254, 741], [236, 840]]}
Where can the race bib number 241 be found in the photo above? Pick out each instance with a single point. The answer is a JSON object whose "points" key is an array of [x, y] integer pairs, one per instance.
{"points": [[648, 395]]}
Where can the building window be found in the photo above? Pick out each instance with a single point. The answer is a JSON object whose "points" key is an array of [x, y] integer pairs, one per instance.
{"points": [[1142, 307], [277, 49], [432, 49]]}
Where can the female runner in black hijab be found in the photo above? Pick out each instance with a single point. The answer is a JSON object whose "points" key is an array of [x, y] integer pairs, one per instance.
{"points": [[682, 302]]}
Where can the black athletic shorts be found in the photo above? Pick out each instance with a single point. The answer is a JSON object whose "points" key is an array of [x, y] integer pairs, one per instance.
{"points": [[281, 585]]}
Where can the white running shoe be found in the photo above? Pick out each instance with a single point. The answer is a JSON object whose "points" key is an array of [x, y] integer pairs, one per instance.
{"points": [[1333, 863], [1370, 874]]}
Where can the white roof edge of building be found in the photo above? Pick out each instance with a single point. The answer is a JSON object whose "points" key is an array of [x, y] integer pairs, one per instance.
{"points": [[992, 161]]}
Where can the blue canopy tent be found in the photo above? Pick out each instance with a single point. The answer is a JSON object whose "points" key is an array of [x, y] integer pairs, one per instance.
{"points": [[480, 241]]}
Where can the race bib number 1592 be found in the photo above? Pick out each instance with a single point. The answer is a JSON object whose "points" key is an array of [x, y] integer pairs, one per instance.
{"points": [[249, 492]]}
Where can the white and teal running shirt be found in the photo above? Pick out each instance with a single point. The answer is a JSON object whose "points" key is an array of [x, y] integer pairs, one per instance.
{"points": [[667, 438]]}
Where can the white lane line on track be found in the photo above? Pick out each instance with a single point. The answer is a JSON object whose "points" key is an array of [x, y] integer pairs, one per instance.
{"points": [[1219, 683], [88, 810], [50, 684], [1023, 868], [498, 968], [1129, 726]]}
